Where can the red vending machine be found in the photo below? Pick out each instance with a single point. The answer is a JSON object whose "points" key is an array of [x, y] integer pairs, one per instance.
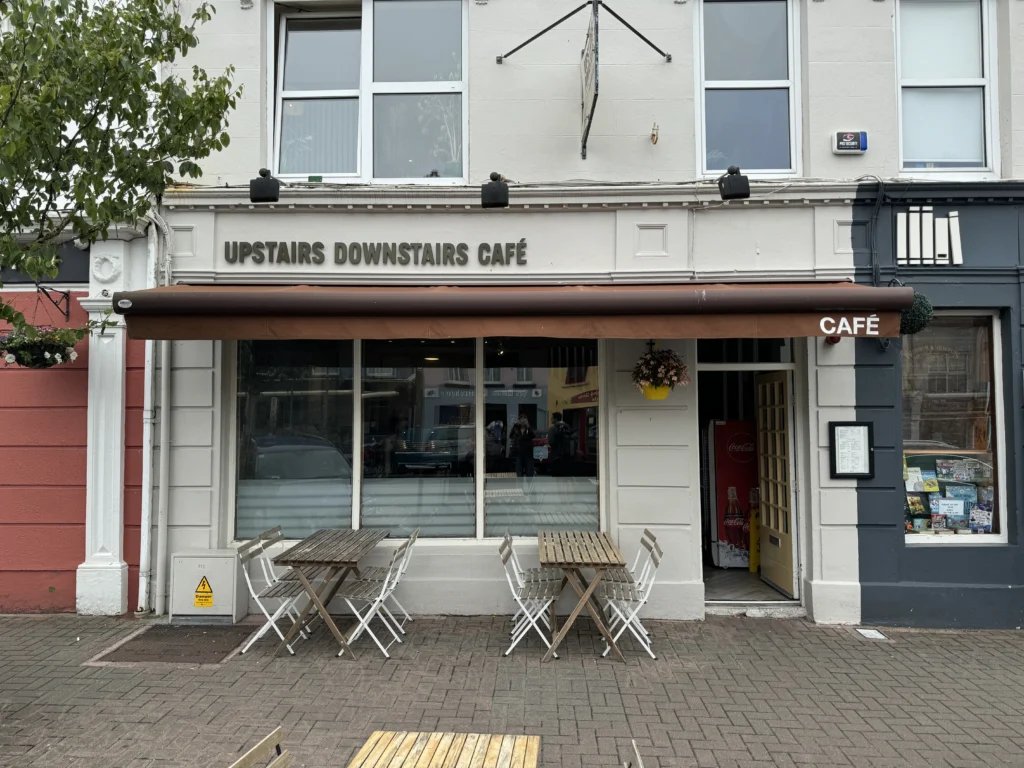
{"points": [[732, 473]]}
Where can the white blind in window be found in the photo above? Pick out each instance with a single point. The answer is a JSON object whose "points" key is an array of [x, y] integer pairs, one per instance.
{"points": [[940, 39]]}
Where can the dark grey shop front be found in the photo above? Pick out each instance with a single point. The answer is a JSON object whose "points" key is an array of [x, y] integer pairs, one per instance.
{"points": [[939, 524]]}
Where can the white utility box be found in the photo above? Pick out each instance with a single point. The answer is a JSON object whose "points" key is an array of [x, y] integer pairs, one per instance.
{"points": [[207, 585]]}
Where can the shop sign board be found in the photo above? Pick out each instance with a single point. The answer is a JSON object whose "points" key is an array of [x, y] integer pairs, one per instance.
{"points": [[394, 254], [588, 78], [410, 246]]}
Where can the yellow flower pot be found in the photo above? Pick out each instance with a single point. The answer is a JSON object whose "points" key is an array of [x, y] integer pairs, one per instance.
{"points": [[656, 393]]}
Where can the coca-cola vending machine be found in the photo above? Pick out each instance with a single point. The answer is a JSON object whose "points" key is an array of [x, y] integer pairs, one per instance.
{"points": [[732, 474]]}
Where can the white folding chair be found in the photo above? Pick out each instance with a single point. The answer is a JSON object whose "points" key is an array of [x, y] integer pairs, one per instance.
{"points": [[636, 754], [629, 575], [288, 592], [624, 602], [533, 598], [373, 594], [379, 573], [525, 575], [530, 576], [268, 539]]}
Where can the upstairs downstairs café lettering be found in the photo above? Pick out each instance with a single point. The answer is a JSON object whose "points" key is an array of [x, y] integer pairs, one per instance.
{"points": [[375, 254]]}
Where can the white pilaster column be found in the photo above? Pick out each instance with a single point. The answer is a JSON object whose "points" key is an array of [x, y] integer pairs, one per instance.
{"points": [[102, 580]]}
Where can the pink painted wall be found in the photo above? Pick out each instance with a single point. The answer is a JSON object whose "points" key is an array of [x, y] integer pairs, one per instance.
{"points": [[135, 366], [43, 460], [42, 482]]}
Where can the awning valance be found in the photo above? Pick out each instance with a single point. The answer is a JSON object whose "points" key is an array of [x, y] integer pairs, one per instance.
{"points": [[681, 310]]}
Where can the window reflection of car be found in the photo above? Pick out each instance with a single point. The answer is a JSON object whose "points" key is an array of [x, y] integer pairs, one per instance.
{"points": [[439, 448], [298, 458], [304, 479]]}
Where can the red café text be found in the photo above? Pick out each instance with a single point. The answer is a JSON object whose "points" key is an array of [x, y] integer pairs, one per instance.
{"points": [[374, 254]]}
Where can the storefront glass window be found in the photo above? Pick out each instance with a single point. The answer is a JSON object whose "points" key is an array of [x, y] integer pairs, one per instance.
{"points": [[418, 437], [949, 429], [294, 451], [541, 432]]}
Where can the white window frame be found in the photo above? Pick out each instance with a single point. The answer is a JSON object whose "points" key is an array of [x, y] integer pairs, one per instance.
{"points": [[368, 89], [228, 385], [988, 539], [792, 84], [990, 104]]}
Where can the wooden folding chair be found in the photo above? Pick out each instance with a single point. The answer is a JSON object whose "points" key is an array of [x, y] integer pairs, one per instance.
{"points": [[268, 749]]}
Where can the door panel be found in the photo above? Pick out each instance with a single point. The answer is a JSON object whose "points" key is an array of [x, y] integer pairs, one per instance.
{"points": [[775, 473]]}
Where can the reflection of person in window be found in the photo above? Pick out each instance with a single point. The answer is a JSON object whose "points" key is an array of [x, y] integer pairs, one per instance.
{"points": [[559, 435], [521, 438]]}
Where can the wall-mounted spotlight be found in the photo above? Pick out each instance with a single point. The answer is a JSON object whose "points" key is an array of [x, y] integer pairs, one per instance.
{"points": [[833, 339], [494, 194], [732, 185], [265, 189]]}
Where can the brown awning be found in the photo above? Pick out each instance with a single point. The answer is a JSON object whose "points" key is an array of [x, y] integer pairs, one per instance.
{"points": [[682, 310]]}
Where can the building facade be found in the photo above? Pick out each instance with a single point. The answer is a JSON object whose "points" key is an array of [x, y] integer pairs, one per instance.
{"points": [[360, 352], [947, 404]]}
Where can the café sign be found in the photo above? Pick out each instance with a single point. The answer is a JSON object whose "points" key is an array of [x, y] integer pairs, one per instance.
{"points": [[849, 326], [375, 254]]}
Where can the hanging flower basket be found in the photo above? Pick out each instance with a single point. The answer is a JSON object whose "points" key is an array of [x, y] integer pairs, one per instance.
{"points": [[44, 348], [658, 372]]}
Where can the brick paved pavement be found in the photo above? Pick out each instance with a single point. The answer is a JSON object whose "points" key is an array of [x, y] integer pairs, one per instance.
{"points": [[725, 692]]}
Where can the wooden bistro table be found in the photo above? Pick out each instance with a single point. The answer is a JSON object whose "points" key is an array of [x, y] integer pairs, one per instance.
{"points": [[331, 551], [572, 551]]}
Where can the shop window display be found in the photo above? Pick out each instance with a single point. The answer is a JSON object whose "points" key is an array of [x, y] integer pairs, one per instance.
{"points": [[419, 437], [294, 452], [541, 429], [949, 429]]}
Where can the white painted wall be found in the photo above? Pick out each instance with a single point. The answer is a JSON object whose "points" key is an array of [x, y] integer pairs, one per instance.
{"points": [[650, 467], [831, 574], [193, 520], [654, 477], [524, 115]]}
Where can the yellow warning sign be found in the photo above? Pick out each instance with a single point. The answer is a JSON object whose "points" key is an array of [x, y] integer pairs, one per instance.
{"points": [[204, 594]]}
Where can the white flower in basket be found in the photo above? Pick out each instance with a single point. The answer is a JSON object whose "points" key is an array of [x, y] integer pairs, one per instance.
{"points": [[658, 372]]}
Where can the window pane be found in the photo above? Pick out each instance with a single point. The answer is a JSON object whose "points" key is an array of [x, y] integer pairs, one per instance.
{"points": [[940, 38], [322, 54], [319, 135], [417, 40], [417, 135], [294, 437], [418, 437], [746, 40], [943, 127], [949, 428], [748, 128], [541, 430]]}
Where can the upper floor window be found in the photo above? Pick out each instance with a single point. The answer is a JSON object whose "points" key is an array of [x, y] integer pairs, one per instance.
{"points": [[943, 84], [376, 94], [747, 94]]}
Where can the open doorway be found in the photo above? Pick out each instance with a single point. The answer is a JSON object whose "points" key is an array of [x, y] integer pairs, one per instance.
{"points": [[748, 511]]}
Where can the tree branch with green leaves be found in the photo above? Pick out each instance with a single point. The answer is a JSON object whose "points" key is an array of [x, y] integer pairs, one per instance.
{"points": [[90, 134]]}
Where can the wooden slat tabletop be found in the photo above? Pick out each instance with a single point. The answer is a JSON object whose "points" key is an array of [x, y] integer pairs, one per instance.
{"points": [[408, 749], [332, 546], [578, 549]]}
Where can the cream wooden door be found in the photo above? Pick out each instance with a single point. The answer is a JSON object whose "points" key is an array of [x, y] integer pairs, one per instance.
{"points": [[775, 473]]}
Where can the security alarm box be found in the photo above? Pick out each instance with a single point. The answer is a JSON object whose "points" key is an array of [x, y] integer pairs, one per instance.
{"points": [[207, 586], [850, 142]]}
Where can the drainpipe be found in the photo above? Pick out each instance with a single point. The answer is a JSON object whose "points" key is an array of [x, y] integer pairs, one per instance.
{"points": [[160, 600], [145, 548], [164, 490]]}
